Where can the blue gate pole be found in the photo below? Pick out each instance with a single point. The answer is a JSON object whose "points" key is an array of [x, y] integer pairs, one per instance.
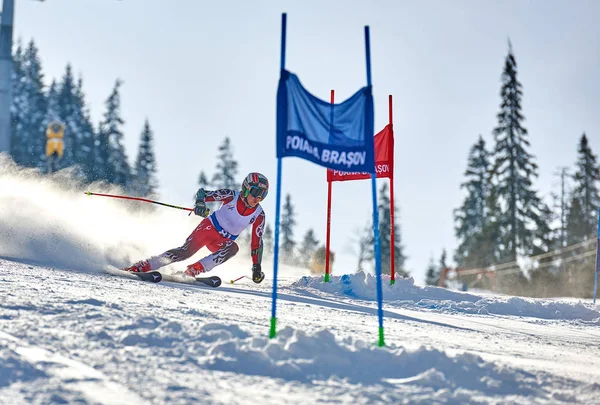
{"points": [[376, 246], [273, 329]]}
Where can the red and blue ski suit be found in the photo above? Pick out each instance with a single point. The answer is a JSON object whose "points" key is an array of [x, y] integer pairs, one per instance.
{"points": [[218, 233]]}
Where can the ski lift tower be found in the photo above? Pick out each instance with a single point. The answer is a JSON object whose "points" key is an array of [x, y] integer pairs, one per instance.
{"points": [[6, 34], [6, 61]]}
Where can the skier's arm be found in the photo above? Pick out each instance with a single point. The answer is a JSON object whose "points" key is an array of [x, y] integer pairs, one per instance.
{"points": [[256, 244], [202, 196], [223, 195]]}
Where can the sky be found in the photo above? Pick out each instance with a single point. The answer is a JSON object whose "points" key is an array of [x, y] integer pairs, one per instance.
{"points": [[200, 71]]}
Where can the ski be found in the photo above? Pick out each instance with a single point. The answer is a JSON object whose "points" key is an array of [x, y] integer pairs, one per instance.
{"points": [[212, 281], [156, 277], [152, 276]]}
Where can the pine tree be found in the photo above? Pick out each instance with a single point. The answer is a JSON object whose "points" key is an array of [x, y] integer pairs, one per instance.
{"points": [[118, 170], [227, 168], [432, 275], [581, 219], [82, 123], [487, 245], [203, 180], [365, 248], [101, 153], [29, 107], [585, 197], [577, 226], [18, 108], [471, 217], [442, 265], [288, 223], [579, 270], [66, 103], [52, 106], [146, 183], [547, 238], [67, 106], [512, 174], [307, 248], [268, 241], [204, 183], [368, 242], [16, 91], [560, 205], [385, 235]]}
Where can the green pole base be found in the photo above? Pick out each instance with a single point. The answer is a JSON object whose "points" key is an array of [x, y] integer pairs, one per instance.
{"points": [[392, 282], [381, 341], [326, 278], [273, 330]]}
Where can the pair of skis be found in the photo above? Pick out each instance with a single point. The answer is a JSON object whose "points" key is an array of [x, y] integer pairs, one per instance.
{"points": [[156, 277]]}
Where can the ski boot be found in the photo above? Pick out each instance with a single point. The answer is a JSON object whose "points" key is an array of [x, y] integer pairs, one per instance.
{"points": [[140, 267], [194, 270], [257, 275]]}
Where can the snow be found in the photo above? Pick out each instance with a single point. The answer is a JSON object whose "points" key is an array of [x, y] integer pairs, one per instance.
{"points": [[363, 286], [72, 333]]}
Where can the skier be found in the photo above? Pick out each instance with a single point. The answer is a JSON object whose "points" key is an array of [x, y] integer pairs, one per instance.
{"points": [[54, 144], [219, 230]]}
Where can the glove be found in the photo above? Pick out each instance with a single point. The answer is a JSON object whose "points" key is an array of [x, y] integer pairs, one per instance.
{"points": [[200, 194], [201, 210], [257, 274], [200, 206]]}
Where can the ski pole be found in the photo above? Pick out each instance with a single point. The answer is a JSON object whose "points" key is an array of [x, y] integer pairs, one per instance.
{"points": [[139, 199], [233, 281], [237, 279]]}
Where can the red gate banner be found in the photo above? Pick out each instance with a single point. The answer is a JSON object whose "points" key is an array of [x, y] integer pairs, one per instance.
{"points": [[384, 159]]}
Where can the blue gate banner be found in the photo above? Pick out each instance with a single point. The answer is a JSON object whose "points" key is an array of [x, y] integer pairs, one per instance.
{"points": [[337, 136]]}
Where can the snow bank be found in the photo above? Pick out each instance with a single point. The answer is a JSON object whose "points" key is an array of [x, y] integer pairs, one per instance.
{"points": [[307, 358], [296, 355], [423, 375], [404, 293]]}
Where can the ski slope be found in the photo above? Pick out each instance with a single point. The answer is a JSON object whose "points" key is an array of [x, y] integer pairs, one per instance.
{"points": [[71, 333], [85, 337]]}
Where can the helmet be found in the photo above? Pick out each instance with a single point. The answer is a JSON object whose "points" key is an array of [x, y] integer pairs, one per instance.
{"points": [[256, 185], [56, 126]]}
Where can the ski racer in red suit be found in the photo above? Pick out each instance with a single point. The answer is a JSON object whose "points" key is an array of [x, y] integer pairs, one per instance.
{"points": [[219, 230]]}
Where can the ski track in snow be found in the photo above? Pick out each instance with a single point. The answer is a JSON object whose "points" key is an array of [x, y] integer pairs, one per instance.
{"points": [[92, 338]]}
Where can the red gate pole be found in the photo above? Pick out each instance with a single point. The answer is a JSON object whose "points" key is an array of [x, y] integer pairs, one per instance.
{"points": [[392, 240]]}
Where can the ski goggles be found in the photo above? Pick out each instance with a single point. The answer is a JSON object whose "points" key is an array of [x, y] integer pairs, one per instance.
{"points": [[257, 192]]}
